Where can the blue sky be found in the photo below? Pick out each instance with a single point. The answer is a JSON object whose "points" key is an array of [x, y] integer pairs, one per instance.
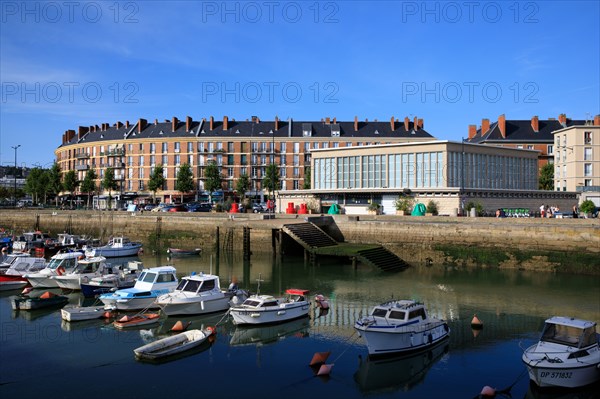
{"points": [[66, 64]]}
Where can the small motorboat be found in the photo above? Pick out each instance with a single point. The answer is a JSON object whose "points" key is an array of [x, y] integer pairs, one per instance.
{"points": [[264, 309], [46, 300], [183, 252], [136, 321], [116, 247], [17, 264], [61, 263], [400, 326], [567, 354], [198, 294], [85, 270], [78, 313], [117, 278], [172, 345], [152, 283]]}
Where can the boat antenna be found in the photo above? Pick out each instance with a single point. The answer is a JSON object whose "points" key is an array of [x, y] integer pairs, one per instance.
{"points": [[258, 280]]}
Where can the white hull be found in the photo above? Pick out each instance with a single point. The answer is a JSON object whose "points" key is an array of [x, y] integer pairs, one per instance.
{"points": [[172, 345], [42, 282], [130, 304], [12, 285], [82, 313], [390, 339], [285, 312], [193, 306], [116, 253]]}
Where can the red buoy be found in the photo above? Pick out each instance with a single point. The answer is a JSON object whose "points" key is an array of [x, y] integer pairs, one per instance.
{"points": [[319, 358]]}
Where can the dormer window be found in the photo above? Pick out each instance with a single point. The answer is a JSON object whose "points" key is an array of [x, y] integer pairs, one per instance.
{"points": [[335, 130], [306, 130], [376, 132]]}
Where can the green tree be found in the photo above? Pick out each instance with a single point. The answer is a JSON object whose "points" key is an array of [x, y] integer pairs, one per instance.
{"points": [[70, 183], [109, 183], [271, 179], [156, 181], [307, 178], [185, 180], [547, 177], [89, 184], [55, 185], [242, 185], [35, 184], [213, 179]]}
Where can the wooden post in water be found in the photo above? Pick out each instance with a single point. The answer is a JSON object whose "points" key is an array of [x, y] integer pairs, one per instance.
{"points": [[217, 241], [246, 243], [37, 222]]}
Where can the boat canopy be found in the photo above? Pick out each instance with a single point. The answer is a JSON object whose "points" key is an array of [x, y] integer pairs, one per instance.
{"points": [[295, 291]]}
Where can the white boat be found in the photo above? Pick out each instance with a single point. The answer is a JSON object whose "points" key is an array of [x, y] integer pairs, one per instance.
{"points": [[264, 309], [85, 270], [152, 283], [116, 247], [400, 326], [120, 278], [172, 345], [78, 313], [9, 285], [567, 354], [197, 294], [20, 263], [61, 263]]}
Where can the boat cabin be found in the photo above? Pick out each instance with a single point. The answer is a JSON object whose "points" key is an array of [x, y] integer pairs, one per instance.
{"points": [[119, 242], [19, 265], [296, 295], [156, 275], [570, 332], [199, 283], [68, 260], [400, 311], [90, 265]]}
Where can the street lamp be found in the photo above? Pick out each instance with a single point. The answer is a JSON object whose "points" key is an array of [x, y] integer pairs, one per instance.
{"points": [[15, 192]]}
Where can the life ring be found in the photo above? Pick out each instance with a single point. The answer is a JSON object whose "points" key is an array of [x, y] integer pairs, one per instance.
{"points": [[60, 270]]}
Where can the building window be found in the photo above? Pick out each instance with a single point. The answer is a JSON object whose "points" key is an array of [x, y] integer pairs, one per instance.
{"points": [[177, 148], [296, 148], [336, 145], [152, 148], [141, 147], [296, 160], [165, 160], [587, 137], [587, 169], [550, 150], [282, 146], [141, 173], [296, 185], [282, 172], [129, 148], [141, 185], [244, 159], [530, 147], [201, 146], [587, 182], [141, 160], [152, 160], [587, 154], [230, 172], [230, 147], [164, 148], [177, 159]]}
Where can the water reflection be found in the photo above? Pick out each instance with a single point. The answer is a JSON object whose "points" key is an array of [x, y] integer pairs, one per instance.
{"points": [[269, 334], [589, 392], [397, 373]]}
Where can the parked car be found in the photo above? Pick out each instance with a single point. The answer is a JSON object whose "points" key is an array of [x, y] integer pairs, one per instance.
{"points": [[159, 207], [177, 208], [258, 208], [202, 207], [149, 207]]}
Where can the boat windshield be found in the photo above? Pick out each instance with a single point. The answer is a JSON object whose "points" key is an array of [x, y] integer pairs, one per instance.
{"points": [[68, 264], [397, 314], [188, 285], [561, 334], [148, 277], [379, 312], [85, 267], [251, 302]]}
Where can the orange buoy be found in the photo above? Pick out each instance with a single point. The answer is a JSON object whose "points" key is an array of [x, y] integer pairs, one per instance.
{"points": [[319, 358], [476, 324], [325, 369], [179, 326], [488, 392], [107, 314], [47, 295]]}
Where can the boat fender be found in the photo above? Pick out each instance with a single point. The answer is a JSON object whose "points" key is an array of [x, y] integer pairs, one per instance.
{"points": [[47, 295], [476, 323], [60, 270], [487, 392], [107, 314], [211, 329]]}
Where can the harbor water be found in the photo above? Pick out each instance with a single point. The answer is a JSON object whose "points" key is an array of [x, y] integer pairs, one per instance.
{"points": [[43, 356]]}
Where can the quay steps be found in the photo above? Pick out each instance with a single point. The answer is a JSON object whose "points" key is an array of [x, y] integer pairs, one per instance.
{"points": [[382, 258], [308, 235]]}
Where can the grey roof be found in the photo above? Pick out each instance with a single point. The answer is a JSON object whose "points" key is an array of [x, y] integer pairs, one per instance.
{"points": [[249, 129], [521, 131]]}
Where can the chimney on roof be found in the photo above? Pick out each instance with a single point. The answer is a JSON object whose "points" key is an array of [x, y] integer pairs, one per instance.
{"points": [[485, 126], [188, 123], [174, 124], [597, 120], [256, 119], [142, 124], [416, 124], [392, 125], [225, 122], [96, 128], [356, 123], [119, 125], [91, 129], [81, 132], [562, 119], [126, 124], [211, 122], [502, 125], [276, 124], [535, 124], [406, 123], [334, 119], [155, 121], [472, 131], [420, 123], [70, 134], [327, 121]]}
